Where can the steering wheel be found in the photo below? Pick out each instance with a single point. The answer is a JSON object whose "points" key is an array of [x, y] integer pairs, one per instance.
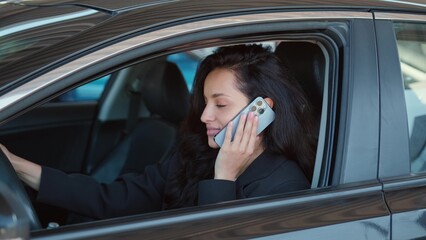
{"points": [[9, 177]]}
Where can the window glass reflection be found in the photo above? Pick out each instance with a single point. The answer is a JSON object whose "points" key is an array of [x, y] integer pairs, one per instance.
{"points": [[411, 39]]}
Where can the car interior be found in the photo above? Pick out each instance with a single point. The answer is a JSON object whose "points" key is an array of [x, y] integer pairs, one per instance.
{"points": [[135, 122], [146, 140]]}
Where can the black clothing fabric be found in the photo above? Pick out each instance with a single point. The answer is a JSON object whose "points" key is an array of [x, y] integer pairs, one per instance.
{"points": [[141, 193]]}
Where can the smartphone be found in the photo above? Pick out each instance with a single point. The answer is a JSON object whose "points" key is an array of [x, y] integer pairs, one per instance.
{"points": [[261, 108]]}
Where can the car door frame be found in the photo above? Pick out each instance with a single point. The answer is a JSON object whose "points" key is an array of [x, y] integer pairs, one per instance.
{"points": [[355, 201]]}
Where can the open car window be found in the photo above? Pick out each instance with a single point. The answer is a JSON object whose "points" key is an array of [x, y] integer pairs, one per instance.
{"points": [[93, 133]]}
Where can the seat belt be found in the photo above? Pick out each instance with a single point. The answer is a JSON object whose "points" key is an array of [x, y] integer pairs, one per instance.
{"points": [[135, 92]]}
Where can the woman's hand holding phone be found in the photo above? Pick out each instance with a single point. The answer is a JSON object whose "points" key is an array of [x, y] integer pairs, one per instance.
{"points": [[235, 156]]}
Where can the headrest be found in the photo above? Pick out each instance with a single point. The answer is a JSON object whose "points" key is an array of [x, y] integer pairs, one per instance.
{"points": [[165, 93], [306, 61]]}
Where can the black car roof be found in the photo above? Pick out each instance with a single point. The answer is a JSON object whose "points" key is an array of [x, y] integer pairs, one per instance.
{"points": [[121, 5], [128, 16]]}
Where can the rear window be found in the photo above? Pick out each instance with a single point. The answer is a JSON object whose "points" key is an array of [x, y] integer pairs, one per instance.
{"points": [[411, 39]]}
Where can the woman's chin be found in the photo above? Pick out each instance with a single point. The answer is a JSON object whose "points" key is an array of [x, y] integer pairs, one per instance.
{"points": [[212, 143]]}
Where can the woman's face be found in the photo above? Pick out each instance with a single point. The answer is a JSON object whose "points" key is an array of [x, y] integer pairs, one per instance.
{"points": [[223, 101]]}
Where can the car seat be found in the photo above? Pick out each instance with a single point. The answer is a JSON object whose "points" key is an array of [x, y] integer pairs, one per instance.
{"points": [[307, 63], [165, 94]]}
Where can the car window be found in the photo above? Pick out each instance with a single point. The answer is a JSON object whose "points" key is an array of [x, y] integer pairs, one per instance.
{"points": [[91, 91], [411, 40], [187, 62]]}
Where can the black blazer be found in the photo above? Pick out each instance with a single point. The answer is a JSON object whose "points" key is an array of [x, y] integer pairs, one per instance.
{"points": [[141, 193]]}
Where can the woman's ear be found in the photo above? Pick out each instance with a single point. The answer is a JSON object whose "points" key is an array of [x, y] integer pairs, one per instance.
{"points": [[270, 102]]}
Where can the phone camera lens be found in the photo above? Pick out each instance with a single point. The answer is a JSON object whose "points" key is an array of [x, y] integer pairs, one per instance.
{"points": [[261, 110], [259, 103], [253, 108]]}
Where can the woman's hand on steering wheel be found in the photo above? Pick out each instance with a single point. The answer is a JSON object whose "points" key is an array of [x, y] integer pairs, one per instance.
{"points": [[28, 172], [9, 167]]}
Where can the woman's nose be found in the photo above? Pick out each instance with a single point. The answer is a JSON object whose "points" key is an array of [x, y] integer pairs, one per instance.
{"points": [[207, 115]]}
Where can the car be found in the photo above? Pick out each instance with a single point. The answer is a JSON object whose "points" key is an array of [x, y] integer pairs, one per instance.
{"points": [[70, 87]]}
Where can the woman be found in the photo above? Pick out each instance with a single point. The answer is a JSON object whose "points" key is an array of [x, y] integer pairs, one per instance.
{"points": [[277, 160]]}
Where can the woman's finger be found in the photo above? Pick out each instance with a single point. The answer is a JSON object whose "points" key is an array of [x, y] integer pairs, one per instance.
{"points": [[240, 128], [253, 134], [247, 132], [228, 134], [5, 151]]}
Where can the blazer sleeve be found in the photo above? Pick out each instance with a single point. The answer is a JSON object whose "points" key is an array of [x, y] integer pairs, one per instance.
{"points": [[82, 194]]}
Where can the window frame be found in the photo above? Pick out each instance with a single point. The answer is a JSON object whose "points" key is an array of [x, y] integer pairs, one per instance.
{"points": [[394, 141], [249, 207]]}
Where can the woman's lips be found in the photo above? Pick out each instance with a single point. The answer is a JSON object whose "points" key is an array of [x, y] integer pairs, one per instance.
{"points": [[211, 132]]}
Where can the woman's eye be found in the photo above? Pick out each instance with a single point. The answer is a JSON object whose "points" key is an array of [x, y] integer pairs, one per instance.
{"points": [[220, 106]]}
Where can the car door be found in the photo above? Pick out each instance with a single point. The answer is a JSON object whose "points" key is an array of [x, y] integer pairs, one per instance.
{"points": [[347, 200], [401, 40]]}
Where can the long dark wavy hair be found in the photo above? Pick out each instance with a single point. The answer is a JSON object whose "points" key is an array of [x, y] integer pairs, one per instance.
{"points": [[259, 73]]}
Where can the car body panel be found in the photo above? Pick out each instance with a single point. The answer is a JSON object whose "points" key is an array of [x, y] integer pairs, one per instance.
{"points": [[353, 205], [372, 193], [126, 4], [406, 199], [392, 121], [360, 147]]}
